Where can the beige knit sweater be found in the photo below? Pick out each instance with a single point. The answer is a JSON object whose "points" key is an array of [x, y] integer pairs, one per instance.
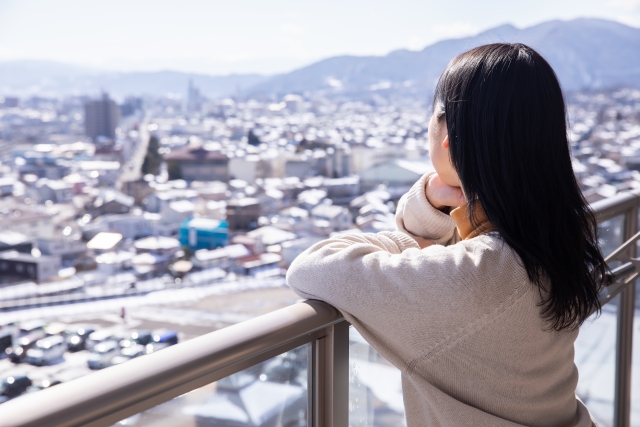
{"points": [[460, 319]]}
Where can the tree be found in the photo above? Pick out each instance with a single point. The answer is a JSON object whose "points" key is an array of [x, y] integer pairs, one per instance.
{"points": [[252, 139], [153, 159]]}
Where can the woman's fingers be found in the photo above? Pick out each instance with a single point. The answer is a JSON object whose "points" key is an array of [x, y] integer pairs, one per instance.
{"points": [[457, 197], [441, 195]]}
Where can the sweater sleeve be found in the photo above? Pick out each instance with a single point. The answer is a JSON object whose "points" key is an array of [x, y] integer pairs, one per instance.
{"points": [[397, 295], [415, 216]]}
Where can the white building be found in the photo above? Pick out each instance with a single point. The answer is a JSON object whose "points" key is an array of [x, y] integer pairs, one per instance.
{"points": [[249, 167], [328, 218], [176, 212], [33, 223], [130, 225], [158, 201], [397, 175], [57, 191]]}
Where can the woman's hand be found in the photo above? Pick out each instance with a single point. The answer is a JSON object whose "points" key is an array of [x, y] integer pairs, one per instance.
{"points": [[422, 242], [442, 195]]}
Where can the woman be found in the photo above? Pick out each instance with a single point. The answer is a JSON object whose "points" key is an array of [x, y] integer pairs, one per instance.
{"points": [[478, 308]]}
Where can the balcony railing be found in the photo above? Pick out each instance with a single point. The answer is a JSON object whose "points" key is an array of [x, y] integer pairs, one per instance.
{"points": [[108, 396]]}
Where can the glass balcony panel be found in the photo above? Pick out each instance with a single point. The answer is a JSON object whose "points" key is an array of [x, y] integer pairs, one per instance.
{"points": [[375, 391], [375, 387], [596, 344], [611, 234], [635, 373], [272, 393]]}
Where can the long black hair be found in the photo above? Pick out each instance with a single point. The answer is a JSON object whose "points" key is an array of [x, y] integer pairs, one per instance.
{"points": [[507, 123]]}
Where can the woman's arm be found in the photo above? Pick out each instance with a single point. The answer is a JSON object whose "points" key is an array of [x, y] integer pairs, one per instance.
{"points": [[417, 217], [394, 292]]}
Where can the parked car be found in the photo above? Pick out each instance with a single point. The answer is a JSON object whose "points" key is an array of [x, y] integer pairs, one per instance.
{"points": [[41, 384], [128, 353], [13, 386], [56, 328], [77, 337], [102, 335], [11, 327], [6, 341], [162, 338], [139, 337], [31, 327], [47, 350], [18, 352], [102, 353]]}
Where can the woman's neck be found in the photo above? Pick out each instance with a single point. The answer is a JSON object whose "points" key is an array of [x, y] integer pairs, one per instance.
{"points": [[466, 229]]}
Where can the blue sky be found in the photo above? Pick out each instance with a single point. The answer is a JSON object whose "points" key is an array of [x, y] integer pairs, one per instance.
{"points": [[266, 36]]}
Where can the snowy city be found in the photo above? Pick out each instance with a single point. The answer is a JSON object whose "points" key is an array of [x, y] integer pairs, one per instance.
{"points": [[135, 220]]}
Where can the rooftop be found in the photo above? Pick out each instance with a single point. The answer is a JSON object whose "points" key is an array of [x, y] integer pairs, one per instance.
{"points": [[104, 241], [195, 154]]}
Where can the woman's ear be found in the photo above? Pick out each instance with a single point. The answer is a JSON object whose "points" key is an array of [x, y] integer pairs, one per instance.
{"points": [[445, 142]]}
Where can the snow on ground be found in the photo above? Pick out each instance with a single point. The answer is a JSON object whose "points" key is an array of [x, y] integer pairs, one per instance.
{"points": [[185, 294]]}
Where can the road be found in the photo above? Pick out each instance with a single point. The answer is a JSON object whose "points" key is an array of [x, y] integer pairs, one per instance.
{"points": [[131, 170]]}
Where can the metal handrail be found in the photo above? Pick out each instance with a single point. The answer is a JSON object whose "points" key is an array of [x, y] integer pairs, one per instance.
{"points": [[616, 205], [105, 397], [626, 204], [108, 396]]}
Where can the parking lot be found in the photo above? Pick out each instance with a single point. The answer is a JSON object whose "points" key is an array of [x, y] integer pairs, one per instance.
{"points": [[188, 318]]}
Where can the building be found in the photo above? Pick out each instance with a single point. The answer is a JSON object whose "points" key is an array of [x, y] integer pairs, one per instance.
{"points": [[111, 202], [330, 218], [112, 263], [346, 188], [243, 214], [13, 241], [9, 102], [249, 168], [176, 212], [138, 189], [398, 175], [7, 185], [197, 164], [56, 191], [194, 98], [33, 223], [160, 245], [220, 257], [27, 266], [67, 248], [291, 249], [262, 265], [204, 233], [160, 200], [130, 225], [299, 166], [294, 103], [101, 117]]}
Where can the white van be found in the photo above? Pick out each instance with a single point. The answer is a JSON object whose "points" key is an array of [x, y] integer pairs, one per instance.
{"points": [[101, 354], [47, 350], [102, 335]]}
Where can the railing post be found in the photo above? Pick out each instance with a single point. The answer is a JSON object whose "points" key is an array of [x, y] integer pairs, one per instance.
{"points": [[329, 388], [624, 336]]}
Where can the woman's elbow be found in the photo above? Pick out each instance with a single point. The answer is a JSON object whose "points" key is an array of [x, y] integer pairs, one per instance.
{"points": [[295, 276]]}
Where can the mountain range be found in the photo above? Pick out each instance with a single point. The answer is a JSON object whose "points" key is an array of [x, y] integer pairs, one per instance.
{"points": [[585, 53], [47, 78]]}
